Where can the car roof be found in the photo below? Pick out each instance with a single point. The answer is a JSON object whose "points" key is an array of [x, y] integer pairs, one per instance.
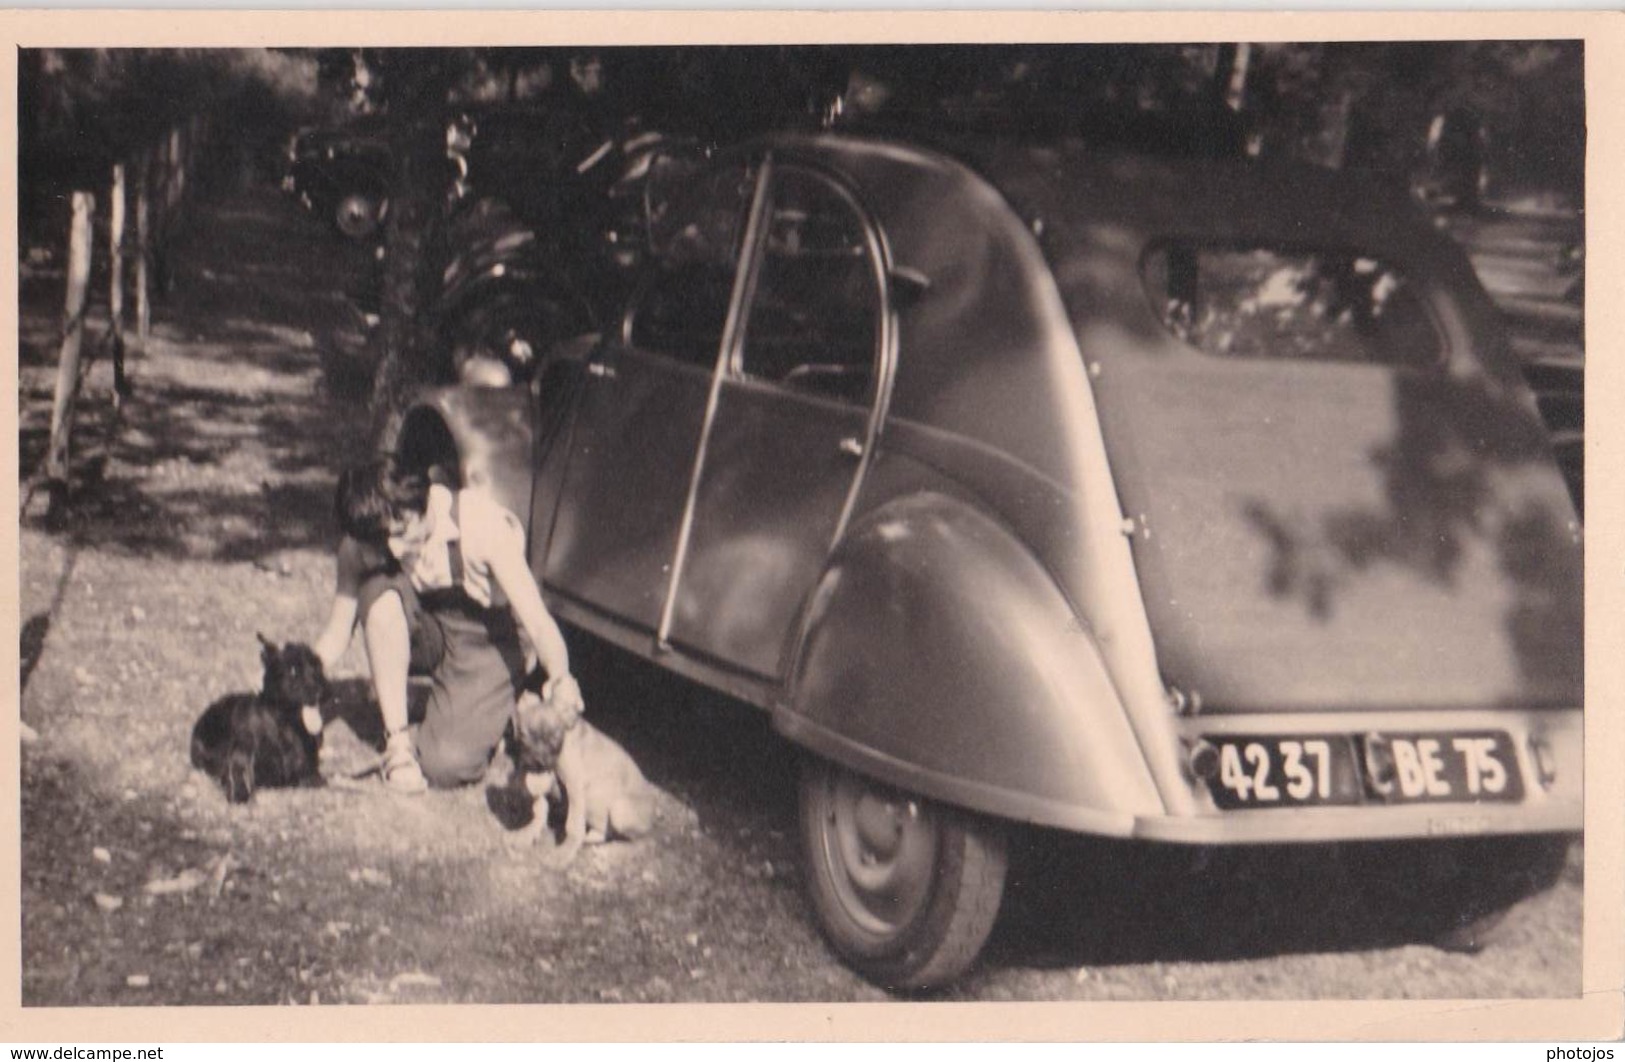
{"points": [[1031, 253], [1090, 213]]}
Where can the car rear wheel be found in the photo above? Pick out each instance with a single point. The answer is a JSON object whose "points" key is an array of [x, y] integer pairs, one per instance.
{"points": [[905, 890], [357, 214]]}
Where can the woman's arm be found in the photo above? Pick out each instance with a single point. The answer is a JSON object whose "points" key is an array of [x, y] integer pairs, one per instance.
{"points": [[335, 636], [506, 558]]}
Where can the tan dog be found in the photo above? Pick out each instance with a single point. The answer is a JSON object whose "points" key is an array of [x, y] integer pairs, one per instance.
{"points": [[606, 795]]}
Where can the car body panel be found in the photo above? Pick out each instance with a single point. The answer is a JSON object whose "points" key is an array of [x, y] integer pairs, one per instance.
{"points": [[939, 656], [1342, 537], [990, 333], [1079, 540], [1339, 496], [770, 499], [621, 504]]}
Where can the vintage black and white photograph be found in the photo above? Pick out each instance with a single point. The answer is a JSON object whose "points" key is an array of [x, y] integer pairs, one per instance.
{"points": [[685, 523]]}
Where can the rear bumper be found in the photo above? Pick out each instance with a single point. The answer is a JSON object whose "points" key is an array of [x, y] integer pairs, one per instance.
{"points": [[1288, 826], [1556, 806]]}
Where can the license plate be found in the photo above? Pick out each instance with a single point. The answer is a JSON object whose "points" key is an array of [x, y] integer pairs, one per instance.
{"points": [[1285, 771], [1476, 766], [1257, 771]]}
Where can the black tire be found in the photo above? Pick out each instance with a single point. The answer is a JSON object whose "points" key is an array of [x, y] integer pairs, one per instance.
{"points": [[906, 891], [1455, 893], [357, 214]]}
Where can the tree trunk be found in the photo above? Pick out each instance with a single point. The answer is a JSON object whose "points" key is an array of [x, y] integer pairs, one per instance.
{"points": [[416, 81]]}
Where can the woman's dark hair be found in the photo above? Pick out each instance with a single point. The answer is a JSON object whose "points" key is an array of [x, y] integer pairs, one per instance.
{"points": [[369, 496]]}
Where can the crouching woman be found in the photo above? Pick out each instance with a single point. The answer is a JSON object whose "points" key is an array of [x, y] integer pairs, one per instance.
{"points": [[437, 580]]}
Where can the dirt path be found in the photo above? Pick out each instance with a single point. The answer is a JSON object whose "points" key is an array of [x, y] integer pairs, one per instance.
{"points": [[209, 520]]}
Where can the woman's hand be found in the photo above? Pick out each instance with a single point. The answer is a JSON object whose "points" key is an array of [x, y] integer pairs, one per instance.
{"points": [[565, 693]]}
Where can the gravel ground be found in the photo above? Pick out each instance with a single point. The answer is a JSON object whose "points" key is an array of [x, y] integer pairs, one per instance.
{"points": [[206, 520]]}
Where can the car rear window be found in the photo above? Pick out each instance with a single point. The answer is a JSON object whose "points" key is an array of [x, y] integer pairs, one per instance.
{"points": [[1287, 304]]}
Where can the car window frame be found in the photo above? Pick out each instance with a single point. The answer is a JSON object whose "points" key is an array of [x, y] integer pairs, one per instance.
{"points": [[886, 337], [875, 258], [744, 275], [764, 161], [751, 166]]}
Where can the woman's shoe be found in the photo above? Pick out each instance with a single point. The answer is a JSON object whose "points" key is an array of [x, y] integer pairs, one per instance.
{"points": [[400, 766]]}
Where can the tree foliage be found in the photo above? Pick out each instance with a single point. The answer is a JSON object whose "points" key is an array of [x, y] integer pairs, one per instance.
{"points": [[1371, 105], [100, 104], [414, 87], [80, 111], [1359, 105]]}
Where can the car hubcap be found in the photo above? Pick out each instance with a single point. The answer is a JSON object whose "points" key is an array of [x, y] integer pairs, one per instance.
{"points": [[520, 351], [882, 848], [356, 216]]}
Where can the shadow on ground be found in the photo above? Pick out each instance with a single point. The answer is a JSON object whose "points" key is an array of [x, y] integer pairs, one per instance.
{"points": [[34, 633], [710, 751], [239, 366], [1080, 902]]}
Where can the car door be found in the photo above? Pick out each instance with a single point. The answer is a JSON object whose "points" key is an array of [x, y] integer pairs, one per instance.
{"points": [[791, 426], [642, 413]]}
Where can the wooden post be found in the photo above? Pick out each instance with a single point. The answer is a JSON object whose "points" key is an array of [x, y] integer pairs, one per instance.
{"points": [[174, 187], [143, 246], [73, 332], [115, 285], [115, 251]]}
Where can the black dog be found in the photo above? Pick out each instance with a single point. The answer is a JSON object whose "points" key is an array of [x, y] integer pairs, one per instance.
{"points": [[271, 738]]}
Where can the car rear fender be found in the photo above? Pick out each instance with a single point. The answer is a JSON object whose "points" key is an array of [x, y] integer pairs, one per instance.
{"points": [[484, 433], [508, 260], [937, 655]]}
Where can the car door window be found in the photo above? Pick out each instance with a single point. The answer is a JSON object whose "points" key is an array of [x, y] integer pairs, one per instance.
{"points": [[682, 306], [814, 317]]}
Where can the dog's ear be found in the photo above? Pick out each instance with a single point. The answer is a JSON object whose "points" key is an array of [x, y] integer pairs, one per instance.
{"points": [[268, 650], [555, 721], [525, 709], [537, 723], [309, 656]]}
